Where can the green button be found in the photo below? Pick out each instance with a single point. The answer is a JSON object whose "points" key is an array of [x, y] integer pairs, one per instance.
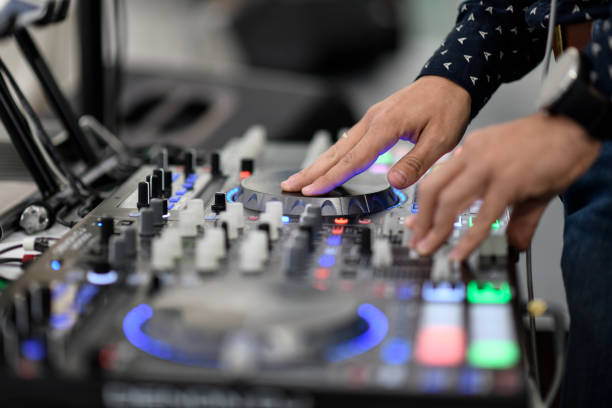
{"points": [[488, 292], [496, 225], [385, 158], [493, 354], [3, 284]]}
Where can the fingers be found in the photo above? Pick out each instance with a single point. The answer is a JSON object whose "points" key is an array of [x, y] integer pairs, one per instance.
{"points": [[327, 160], [352, 163], [460, 194], [428, 192], [409, 169], [523, 223], [493, 205]]}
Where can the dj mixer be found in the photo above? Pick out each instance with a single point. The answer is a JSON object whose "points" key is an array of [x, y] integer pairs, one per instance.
{"points": [[207, 286]]}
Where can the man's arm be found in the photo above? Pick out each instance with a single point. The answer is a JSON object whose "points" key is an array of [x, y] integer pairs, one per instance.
{"points": [[490, 44]]}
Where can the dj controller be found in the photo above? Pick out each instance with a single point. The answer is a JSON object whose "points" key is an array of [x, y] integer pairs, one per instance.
{"points": [[205, 285]]}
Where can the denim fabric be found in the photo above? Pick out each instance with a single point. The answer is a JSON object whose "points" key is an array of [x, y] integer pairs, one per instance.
{"points": [[587, 273]]}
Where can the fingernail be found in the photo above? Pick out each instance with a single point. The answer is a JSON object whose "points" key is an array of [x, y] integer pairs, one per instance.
{"points": [[308, 190], [409, 223], [423, 246], [398, 178], [454, 255]]}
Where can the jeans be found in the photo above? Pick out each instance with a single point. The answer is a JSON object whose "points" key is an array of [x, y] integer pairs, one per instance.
{"points": [[587, 273]]}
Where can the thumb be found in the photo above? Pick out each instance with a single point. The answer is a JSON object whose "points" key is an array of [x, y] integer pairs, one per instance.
{"points": [[523, 222], [409, 169]]}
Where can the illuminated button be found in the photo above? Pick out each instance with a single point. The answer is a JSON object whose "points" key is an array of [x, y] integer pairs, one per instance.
{"points": [[341, 221], [457, 223], [415, 208], [285, 219], [488, 292], [443, 292], [471, 221], [495, 225], [334, 240], [56, 265], [181, 192], [441, 339], [170, 206], [395, 351], [245, 174], [365, 221], [331, 250], [322, 273], [405, 292], [187, 186], [253, 218], [440, 346], [492, 340], [493, 354], [33, 349], [338, 230], [327, 261], [174, 199]]}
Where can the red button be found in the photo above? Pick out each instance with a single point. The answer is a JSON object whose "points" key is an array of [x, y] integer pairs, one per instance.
{"points": [[440, 346], [338, 230], [365, 221], [245, 174], [341, 221], [253, 218], [322, 273]]}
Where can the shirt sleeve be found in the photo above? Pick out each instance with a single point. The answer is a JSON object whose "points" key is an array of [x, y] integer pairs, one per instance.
{"points": [[599, 54], [490, 44]]}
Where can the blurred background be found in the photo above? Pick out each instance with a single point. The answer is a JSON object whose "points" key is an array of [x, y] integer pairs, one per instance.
{"points": [[199, 72]]}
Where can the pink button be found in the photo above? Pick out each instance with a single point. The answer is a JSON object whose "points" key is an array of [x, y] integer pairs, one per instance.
{"points": [[440, 346]]}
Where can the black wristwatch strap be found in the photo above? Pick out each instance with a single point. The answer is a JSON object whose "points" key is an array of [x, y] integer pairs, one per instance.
{"points": [[588, 108]]}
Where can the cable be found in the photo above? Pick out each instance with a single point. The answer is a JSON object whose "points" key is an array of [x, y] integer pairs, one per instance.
{"points": [[552, 18], [9, 249], [9, 260], [552, 22]]}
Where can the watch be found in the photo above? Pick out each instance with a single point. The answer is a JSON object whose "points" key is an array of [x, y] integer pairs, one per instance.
{"points": [[567, 91]]}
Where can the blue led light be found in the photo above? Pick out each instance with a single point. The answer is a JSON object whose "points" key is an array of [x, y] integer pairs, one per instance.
{"points": [[62, 321], [99, 224], [170, 206], [286, 219], [231, 194], [132, 329], [188, 185], [175, 177], [327, 261], [457, 223], [181, 192], [444, 292], [331, 251], [395, 351], [415, 208], [56, 265], [334, 240], [192, 178], [378, 326], [470, 381], [102, 279], [174, 199], [401, 196], [85, 295], [33, 349], [405, 292]]}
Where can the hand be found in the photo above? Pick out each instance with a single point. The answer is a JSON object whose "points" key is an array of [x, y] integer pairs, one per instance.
{"points": [[432, 112], [524, 163]]}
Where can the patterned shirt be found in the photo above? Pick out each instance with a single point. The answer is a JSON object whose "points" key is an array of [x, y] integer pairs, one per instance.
{"points": [[498, 41]]}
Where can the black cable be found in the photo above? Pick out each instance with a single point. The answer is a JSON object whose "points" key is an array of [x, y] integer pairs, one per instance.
{"points": [[9, 249], [8, 260], [61, 214]]}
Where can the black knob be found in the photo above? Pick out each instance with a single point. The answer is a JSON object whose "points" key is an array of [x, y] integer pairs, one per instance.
{"points": [[165, 207], [366, 241], [167, 184], [215, 164], [107, 229], [162, 159], [148, 180], [189, 164], [40, 303], [143, 195], [225, 228], [219, 205], [247, 165], [156, 186]]}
